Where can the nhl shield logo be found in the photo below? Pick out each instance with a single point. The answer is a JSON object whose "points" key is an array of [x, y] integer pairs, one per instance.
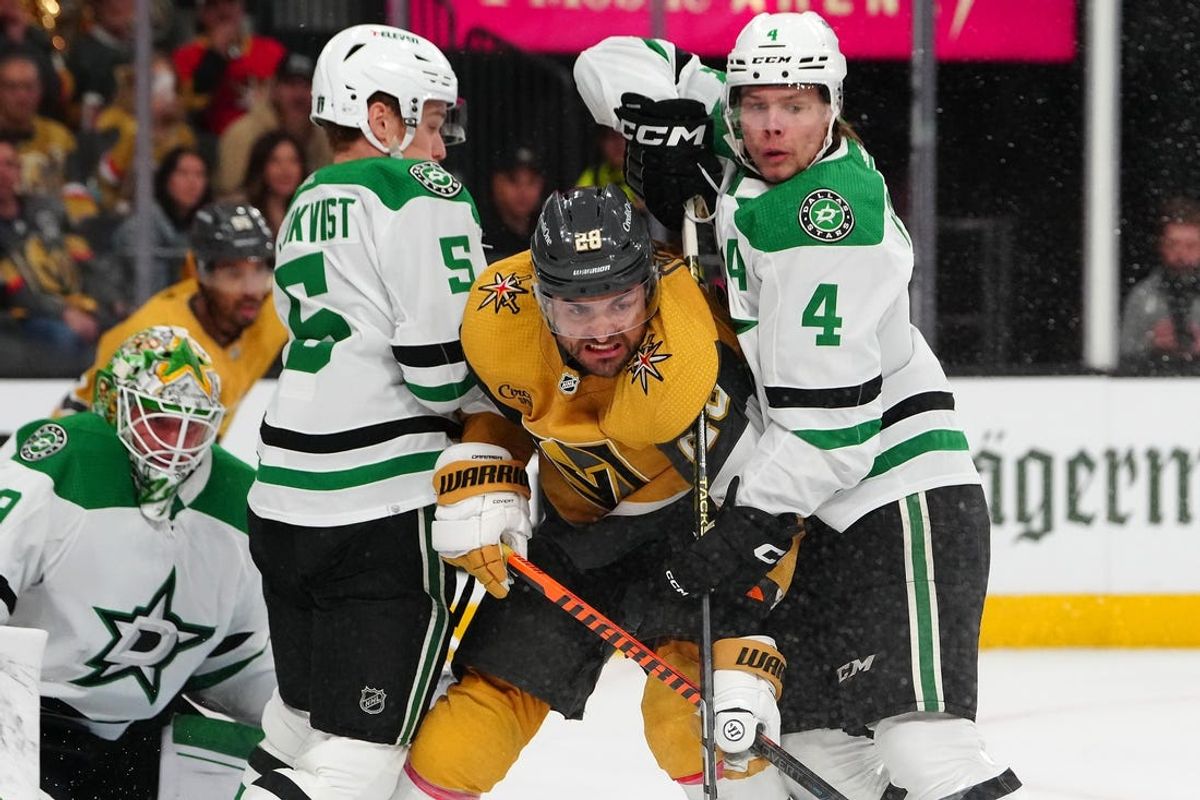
{"points": [[569, 382], [372, 701]]}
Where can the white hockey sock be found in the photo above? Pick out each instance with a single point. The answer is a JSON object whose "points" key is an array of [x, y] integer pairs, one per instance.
{"points": [[934, 756], [851, 764], [334, 768]]}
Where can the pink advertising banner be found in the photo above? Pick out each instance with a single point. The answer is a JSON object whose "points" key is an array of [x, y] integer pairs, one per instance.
{"points": [[967, 30]]}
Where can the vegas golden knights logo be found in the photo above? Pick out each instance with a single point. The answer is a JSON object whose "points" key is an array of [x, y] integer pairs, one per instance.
{"points": [[595, 471]]}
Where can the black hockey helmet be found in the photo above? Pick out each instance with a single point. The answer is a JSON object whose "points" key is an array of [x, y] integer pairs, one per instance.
{"points": [[590, 243], [228, 232]]}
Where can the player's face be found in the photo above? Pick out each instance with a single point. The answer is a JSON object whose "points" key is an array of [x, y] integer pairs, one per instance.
{"points": [[601, 333], [1180, 246], [427, 143], [236, 290], [162, 436], [783, 128]]}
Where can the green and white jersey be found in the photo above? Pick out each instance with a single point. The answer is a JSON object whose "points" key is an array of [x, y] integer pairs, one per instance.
{"points": [[373, 265], [858, 411], [137, 611]]}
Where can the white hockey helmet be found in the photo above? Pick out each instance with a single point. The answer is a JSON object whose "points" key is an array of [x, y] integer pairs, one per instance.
{"points": [[786, 49], [365, 59]]}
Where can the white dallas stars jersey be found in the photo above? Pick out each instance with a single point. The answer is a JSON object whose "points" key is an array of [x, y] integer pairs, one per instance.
{"points": [[136, 611], [374, 261], [858, 410]]}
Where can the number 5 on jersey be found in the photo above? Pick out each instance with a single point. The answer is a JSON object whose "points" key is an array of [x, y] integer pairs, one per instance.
{"points": [[316, 334]]}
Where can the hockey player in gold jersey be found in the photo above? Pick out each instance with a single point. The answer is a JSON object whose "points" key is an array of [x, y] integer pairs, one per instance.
{"points": [[599, 353]]}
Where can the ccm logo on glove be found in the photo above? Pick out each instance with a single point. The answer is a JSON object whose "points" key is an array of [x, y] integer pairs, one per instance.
{"points": [[670, 136]]}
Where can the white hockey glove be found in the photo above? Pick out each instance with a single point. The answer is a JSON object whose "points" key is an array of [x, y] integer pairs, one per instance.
{"points": [[747, 682], [483, 509]]}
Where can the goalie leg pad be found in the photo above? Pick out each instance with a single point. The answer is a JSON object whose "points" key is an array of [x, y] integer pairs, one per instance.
{"points": [[937, 756], [479, 709]]}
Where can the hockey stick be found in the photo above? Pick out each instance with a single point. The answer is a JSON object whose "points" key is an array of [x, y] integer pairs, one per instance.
{"points": [[691, 257], [656, 667]]}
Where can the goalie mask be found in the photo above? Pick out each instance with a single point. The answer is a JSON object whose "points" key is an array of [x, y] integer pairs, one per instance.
{"points": [[365, 59], [785, 49], [594, 264], [162, 394]]}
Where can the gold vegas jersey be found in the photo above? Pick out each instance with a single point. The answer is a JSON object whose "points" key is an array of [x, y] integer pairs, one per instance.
{"points": [[620, 445]]}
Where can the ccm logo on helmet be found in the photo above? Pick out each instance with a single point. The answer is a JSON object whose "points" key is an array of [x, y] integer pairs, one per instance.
{"points": [[655, 135], [770, 59]]}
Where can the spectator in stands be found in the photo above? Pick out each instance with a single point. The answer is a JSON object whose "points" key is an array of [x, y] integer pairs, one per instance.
{"points": [[19, 36], [44, 145], [1160, 327], [43, 272], [518, 187], [116, 131], [180, 189], [227, 307], [285, 106], [608, 164], [93, 57], [222, 67], [275, 171]]}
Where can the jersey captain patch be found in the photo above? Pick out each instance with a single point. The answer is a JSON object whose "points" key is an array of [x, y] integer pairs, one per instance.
{"points": [[502, 292], [642, 365], [436, 179], [44, 442], [143, 642], [825, 215]]}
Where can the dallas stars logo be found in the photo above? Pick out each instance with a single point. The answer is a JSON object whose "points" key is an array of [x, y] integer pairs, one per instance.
{"points": [[641, 366], [144, 642], [502, 293], [825, 215]]}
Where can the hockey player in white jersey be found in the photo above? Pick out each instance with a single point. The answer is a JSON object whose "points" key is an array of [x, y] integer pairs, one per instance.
{"points": [[123, 535], [881, 627], [374, 262]]}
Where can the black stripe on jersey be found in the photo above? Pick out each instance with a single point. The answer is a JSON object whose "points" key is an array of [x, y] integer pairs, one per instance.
{"points": [[263, 762], [356, 437], [281, 786], [7, 595], [429, 355], [229, 643], [918, 404], [839, 397]]}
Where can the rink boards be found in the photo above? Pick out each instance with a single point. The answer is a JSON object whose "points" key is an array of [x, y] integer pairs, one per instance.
{"points": [[1094, 489]]}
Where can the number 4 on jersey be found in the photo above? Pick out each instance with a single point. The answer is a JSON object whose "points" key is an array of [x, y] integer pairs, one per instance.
{"points": [[821, 312]]}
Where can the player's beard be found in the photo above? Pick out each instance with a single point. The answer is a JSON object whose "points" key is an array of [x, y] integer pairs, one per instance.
{"points": [[604, 359]]}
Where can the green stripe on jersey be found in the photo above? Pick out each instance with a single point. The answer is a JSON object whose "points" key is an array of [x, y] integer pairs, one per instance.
{"points": [[348, 478], [762, 219], [741, 326], [198, 683], [90, 466], [844, 437], [441, 394], [433, 648], [215, 735], [658, 48], [926, 442]]}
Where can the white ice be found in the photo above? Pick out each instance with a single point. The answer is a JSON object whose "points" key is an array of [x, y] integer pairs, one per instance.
{"points": [[1074, 724]]}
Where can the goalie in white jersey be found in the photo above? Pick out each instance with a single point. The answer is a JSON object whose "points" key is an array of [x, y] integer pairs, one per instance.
{"points": [[123, 535], [881, 627], [374, 262]]}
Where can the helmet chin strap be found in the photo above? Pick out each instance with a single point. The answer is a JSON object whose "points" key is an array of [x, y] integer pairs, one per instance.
{"points": [[397, 147]]}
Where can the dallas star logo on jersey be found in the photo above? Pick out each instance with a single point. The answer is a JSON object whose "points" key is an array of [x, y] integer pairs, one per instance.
{"points": [[502, 293], [144, 642], [44, 442], [641, 366], [433, 177], [826, 215]]}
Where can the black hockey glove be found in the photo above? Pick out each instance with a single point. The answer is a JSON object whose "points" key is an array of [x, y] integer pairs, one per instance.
{"points": [[742, 546], [668, 152]]}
